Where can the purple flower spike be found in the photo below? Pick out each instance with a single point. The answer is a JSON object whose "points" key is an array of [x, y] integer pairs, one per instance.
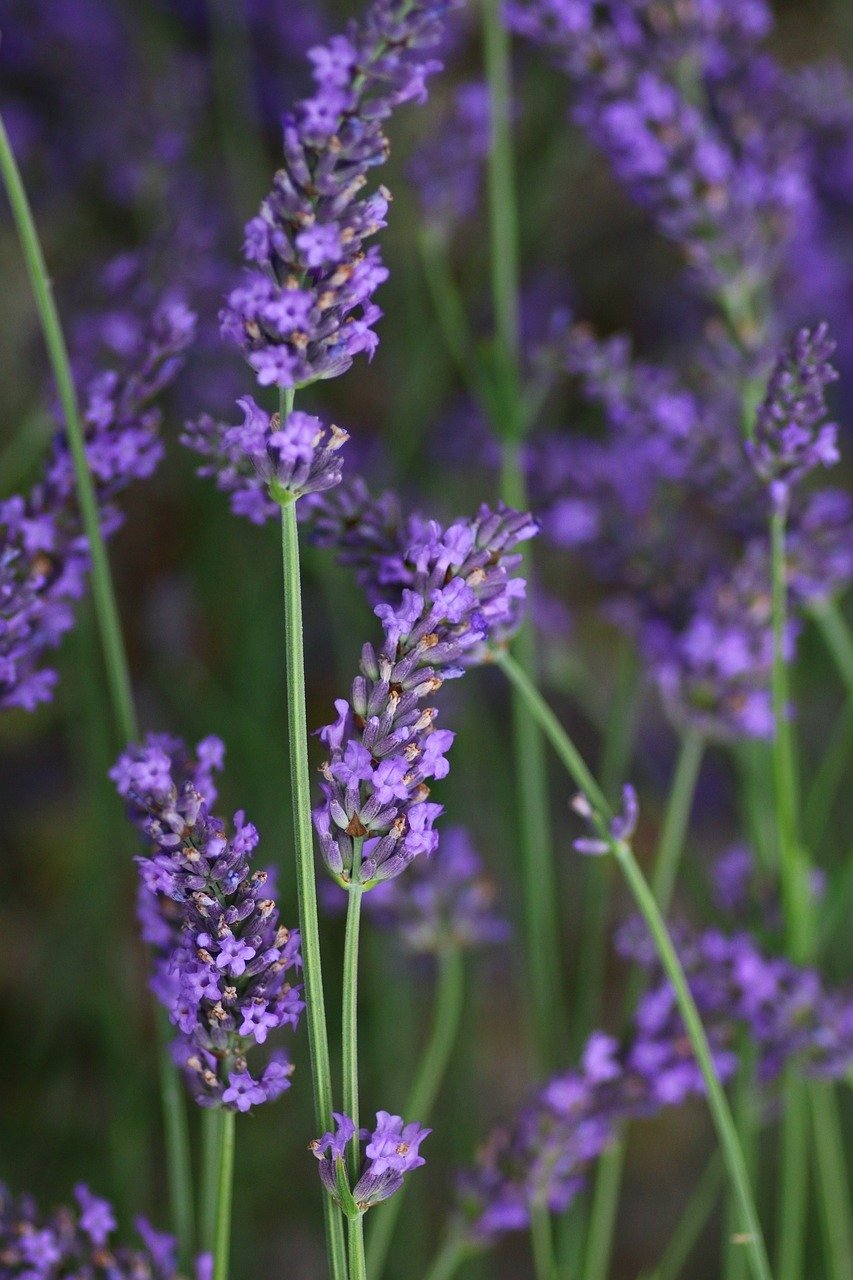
{"points": [[265, 462], [222, 959], [305, 309], [78, 1242], [392, 1150], [384, 747]]}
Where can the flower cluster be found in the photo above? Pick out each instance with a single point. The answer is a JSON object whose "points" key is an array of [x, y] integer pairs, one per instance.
{"points": [[223, 959], [691, 119], [77, 1242], [541, 1156], [791, 436], [392, 1151], [43, 553], [446, 900], [264, 461], [384, 747], [305, 309]]}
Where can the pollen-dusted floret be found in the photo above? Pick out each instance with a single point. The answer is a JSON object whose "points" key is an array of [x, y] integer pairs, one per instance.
{"points": [[223, 963]]}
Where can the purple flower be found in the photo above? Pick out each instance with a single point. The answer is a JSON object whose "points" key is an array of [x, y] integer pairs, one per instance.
{"points": [[392, 1150], [308, 238], [221, 958]]}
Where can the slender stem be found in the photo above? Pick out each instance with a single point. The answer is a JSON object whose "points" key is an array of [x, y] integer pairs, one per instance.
{"points": [[224, 1162], [542, 1243], [602, 1216], [211, 1140], [743, 1103], [318, 1043], [833, 1184], [692, 1222], [677, 817], [503, 216], [644, 899], [357, 1265], [349, 1038], [112, 642], [837, 637], [448, 1260], [118, 673], [794, 1183], [449, 999]]}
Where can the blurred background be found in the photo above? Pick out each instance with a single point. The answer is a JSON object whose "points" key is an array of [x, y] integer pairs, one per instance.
{"points": [[152, 130]]}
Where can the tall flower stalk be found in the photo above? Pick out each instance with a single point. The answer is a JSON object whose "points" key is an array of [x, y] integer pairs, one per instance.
{"points": [[608, 837], [112, 641]]}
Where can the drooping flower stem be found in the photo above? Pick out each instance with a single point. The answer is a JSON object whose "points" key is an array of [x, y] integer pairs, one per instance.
{"points": [[447, 1013], [349, 1037], [112, 642], [541, 921], [224, 1164], [118, 673], [303, 843], [649, 910]]}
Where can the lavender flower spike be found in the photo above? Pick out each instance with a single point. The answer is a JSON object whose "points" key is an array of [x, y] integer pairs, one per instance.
{"points": [[265, 463], [393, 1150], [791, 434], [222, 958], [305, 309]]}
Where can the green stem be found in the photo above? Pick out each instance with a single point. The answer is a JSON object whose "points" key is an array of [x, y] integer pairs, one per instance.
{"points": [[837, 638], [677, 817], [318, 1043], [118, 673], [448, 1260], [224, 1163], [357, 1265], [211, 1141], [793, 1191], [833, 1184], [449, 999], [112, 641], [644, 899], [602, 1214], [349, 1038], [828, 777], [542, 1243], [743, 1103], [692, 1222]]}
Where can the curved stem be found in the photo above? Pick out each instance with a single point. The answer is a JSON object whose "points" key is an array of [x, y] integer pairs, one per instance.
{"points": [[224, 1189], [349, 1039], [644, 899], [318, 1042], [449, 999], [118, 674], [112, 644]]}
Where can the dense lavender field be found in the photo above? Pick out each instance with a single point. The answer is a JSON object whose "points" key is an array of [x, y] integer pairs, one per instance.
{"points": [[426, 656]]}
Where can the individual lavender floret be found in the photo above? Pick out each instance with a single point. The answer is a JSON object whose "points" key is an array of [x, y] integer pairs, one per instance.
{"points": [[43, 553], [77, 1242], [621, 826], [392, 1151], [384, 747], [305, 309], [263, 462], [224, 960], [791, 436], [446, 900]]}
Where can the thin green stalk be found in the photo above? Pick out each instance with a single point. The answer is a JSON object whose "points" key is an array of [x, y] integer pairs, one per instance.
{"points": [[357, 1264], [224, 1162], [677, 817], [692, 1222], [211, 1141], [118, 673], [645, 901], [837, 638], [318, 1043], [794, 1182], [834, 1197], [542, 1243], [112, 642], [349, 1037], [743, 1104], [449, 999], [828, 777], [603, 1210], [448, 1260]]}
